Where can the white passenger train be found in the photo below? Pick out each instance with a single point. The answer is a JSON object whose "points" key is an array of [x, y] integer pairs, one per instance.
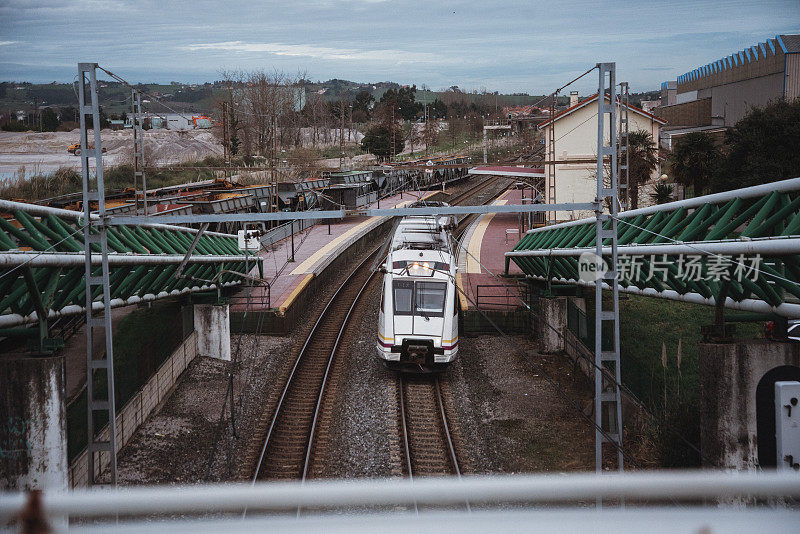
{"points": [[418, 321]]}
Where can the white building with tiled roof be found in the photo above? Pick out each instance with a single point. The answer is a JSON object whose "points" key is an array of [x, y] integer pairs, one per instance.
{"points": [[575, 131]]}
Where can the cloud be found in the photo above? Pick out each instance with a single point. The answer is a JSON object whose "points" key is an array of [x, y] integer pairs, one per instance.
{"points": [[317, 52], [4, 43]]}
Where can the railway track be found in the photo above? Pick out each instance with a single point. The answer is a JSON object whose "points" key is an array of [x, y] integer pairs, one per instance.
{"points": [[289, 444], [476, 190], [425, 431]]}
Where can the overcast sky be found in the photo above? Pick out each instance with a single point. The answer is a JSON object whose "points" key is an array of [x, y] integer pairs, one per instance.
{"points": [[506, 45]]}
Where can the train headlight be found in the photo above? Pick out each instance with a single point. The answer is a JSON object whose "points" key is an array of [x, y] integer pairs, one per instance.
{"points": [[421, 268]]}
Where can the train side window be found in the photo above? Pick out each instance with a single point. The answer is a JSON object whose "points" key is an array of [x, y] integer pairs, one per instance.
{"points": [[402, 292], [383, 291]]}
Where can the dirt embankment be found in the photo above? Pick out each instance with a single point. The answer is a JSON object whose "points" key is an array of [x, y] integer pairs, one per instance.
{"points": [[31, 153]]}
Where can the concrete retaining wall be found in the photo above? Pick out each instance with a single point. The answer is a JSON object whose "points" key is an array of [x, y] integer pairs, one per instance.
{"points": [[33, 428], [729, 375], [137, 409], [581, 356]]}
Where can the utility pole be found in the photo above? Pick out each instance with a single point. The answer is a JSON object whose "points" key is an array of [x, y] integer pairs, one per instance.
{"points": [[551, 155], [607, 402], [341, 134], [274, 170], [623, 154], [226, 152], [394, 129]]}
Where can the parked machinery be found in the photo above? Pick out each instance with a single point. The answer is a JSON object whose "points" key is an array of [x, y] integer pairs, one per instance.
{"points": [[418, 319]]}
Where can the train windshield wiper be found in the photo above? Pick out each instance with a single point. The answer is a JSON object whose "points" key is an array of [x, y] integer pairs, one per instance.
{"points": [[423, 314]]}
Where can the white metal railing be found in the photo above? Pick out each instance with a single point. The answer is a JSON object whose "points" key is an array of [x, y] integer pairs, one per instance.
{"points": [[662, 487]]}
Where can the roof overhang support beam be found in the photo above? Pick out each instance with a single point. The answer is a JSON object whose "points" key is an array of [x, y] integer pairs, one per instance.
{"points": [[777, 246], [76, 259], [15, 319], [38, 304], [191, 248], [785, 309]]}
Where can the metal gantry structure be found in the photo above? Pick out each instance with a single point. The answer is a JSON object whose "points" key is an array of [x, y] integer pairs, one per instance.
{"points": [[608, 406], [550, 168], [95, 232], [623, 155]]}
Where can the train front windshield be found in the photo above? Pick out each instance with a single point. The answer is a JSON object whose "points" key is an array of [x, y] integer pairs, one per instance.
{"points": [[419, 298]]}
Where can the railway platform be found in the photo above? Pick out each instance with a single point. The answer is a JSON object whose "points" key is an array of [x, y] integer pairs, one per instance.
{"points": [[481, 268], [275, 307]]}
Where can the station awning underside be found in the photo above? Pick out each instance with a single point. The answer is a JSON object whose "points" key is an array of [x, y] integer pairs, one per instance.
{"points": [[42, 263], [742, 245]]}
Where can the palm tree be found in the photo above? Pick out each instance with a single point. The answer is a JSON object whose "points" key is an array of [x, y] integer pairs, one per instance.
{"points": [[662, 193], [643, 161], [694, 160]]}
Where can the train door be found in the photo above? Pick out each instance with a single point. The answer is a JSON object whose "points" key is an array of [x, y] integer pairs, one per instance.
{"points": [[429, 300]]}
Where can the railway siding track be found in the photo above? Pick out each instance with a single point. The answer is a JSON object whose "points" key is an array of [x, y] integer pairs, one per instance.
{"points": [[289, 443]]}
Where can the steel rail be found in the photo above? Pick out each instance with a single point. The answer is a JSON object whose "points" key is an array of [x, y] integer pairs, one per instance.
{"points": [[448, 437], [404, 428], [289, 382], [321, 396], [479, 188]]}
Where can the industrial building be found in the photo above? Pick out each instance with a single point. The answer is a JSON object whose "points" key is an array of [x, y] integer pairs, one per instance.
{"points": [[722, 92]]}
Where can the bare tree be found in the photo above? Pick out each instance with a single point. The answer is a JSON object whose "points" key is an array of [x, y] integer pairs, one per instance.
{"points": [[267, 105], [430, 134]]}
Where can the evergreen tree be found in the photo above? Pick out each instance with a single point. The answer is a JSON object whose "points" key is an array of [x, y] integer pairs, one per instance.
{"points": [[763, 147], [694, 160]]}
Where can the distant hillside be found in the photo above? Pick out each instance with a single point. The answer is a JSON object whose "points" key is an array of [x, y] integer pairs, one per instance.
{"points": [[199, 98]]}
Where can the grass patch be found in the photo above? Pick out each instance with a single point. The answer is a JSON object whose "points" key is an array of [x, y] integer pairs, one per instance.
{"points": [[672, 392]]}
